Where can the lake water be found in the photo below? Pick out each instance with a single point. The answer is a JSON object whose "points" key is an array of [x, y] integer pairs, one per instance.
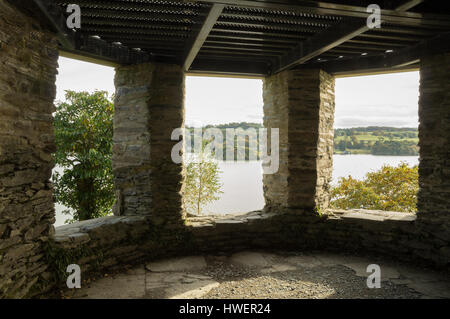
{"points": [[242, 181]]}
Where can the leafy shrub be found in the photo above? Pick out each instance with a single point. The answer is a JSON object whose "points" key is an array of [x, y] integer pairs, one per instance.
{"points": [[84, 139], [390, 189]]}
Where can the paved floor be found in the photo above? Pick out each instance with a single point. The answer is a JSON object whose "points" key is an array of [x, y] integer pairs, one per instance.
{"points": [[253, 274]]}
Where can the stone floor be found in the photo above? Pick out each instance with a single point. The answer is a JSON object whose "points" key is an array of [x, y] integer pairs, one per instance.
{"points": [[254, 274]]}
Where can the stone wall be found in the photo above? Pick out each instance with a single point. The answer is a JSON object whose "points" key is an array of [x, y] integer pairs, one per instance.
{"points": [[434, 135], [111, 243], [434, 166], [276, 115], [149, 105], [148, 222], [301, 104], [390, 234], [107, 243], [28, 67]]}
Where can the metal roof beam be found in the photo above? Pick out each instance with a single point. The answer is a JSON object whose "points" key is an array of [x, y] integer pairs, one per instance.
{"points": [[396, 15], [54, 15], [196, 42], [394, 60], [229, 67], [75, 43], [326, 40]]}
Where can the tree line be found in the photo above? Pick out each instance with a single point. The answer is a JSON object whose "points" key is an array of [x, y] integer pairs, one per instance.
{"points": [[376, 140]]}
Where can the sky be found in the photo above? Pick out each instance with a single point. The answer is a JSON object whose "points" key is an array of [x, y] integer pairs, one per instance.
{"points": [[377, 100]]}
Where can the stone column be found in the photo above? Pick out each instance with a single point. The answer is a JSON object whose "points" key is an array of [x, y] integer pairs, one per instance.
{"points": [[28, 68], [301, 104], [434, 137], [149, 105]]}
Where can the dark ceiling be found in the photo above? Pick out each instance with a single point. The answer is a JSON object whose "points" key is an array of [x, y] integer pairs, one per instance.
{"points": [[253, 37]]}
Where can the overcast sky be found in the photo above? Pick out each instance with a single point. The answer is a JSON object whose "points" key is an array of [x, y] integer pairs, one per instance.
{"points": [[387, 100], [384, 100]]}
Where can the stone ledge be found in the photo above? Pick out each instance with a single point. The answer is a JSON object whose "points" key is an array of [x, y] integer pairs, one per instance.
{"points": [[215, 220], [79, 232], [82, 232], [372, 215], [353, 214]]}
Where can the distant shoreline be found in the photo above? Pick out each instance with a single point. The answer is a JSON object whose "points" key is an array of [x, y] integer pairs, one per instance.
{"points": [[371, 140], [377, 155]]}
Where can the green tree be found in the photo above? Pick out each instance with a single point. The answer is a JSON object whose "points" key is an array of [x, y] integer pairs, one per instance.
{"points": [[390, 189], [355, 142], [84, 131], [201, 182], [341, 145]]}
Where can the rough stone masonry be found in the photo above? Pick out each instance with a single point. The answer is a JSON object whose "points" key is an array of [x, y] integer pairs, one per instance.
{"points": [[149, 105], [301, 104], [28, 63], [434, 166]]}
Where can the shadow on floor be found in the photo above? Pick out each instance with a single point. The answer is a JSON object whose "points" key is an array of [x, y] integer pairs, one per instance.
{"points": [[261, 275]]}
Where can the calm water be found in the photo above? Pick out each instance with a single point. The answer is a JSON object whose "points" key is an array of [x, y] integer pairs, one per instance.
{"points": [[242, 181]]}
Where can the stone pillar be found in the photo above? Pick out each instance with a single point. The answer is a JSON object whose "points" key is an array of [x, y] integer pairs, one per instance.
{"points": [[149, 105], [301, 104], [434, 137], [28, 68]]}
